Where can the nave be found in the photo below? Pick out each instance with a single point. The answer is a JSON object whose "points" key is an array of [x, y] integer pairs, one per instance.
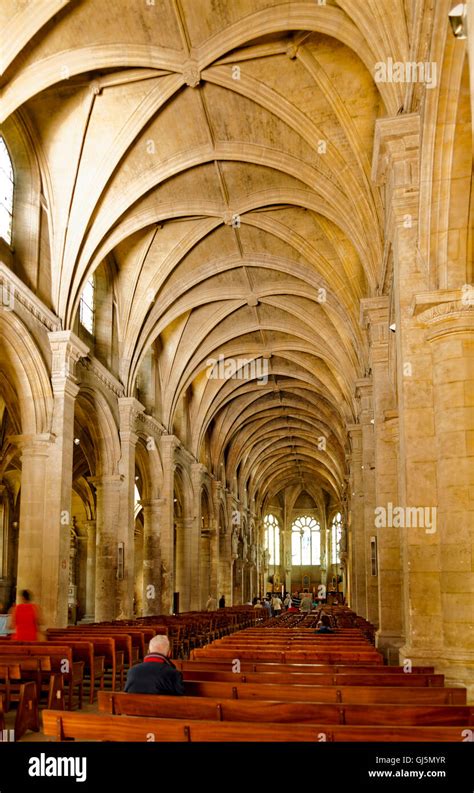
{"points": [[247, 678]]}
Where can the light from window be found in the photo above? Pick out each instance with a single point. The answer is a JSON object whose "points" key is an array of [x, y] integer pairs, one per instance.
{"points": [[137, 505], [6, 193], [86, 306], [336, 534], [306, 542], [272, 539]]}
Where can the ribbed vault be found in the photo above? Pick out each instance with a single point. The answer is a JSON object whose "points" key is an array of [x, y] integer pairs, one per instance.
{"points": [[218, 155]]}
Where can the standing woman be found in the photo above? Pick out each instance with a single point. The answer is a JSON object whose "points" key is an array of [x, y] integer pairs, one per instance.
{"points": [[25, 620]]}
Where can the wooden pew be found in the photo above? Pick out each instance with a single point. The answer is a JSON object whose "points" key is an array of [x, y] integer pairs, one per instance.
{"points": [[94, 665], [436, 695], [73, 671], [27, 715], [214, 664], [103, 647], [91, 727], [123, 641], [286, 712], [317, 679], [329, 656]]}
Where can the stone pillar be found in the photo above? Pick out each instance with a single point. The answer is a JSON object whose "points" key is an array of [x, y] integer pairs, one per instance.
{"points": [[362, 499], [185, 572], [152, 517], [356, 521], [90, 571], [66, 350], [45, 519], [168, 445], [450, 334], [129, 408], [396, 167], [375, 316], [35, 453], [193, 545], [214, 558], [108, 489]]}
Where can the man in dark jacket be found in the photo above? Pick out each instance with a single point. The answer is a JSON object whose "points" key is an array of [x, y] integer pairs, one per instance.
{"points": [[157, 674]]}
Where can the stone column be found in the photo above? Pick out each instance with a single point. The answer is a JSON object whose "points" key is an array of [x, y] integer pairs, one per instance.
{"points": [[356, 521], [214, 558], [375, 316], [90, 571], [48, 563], [129, 409], [362, 499], [168, 445], [35, 453], [396, 167], [450, 334], [152, 517], [108, 489], [193, 545], [186, 573]]}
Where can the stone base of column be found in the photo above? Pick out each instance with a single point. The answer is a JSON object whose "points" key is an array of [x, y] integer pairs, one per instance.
{"points": [[389, 645], [87, 618], [458, 671]]}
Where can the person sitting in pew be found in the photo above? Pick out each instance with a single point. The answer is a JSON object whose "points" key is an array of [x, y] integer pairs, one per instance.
{"points": [[324, 625], [157, 674]]}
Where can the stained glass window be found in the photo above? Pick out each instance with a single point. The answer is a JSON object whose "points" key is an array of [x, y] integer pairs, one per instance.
{"points": [[306, 541], [336, 534], [272, 538]]}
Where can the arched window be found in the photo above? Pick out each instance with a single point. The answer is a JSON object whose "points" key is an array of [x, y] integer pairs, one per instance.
{"points": [[6, 193], [137, 506], [305, 541], [272, 538], [336, 534], [87, 306]]}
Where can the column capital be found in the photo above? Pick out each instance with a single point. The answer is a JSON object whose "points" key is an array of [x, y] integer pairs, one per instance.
{"points": [[169, 443], [447, 319], [107, 480], [374, 314], [396, 151], [152, 503], [67, 349], [374, 310], [129, 410], [364, 394], [198, 471], [34, 445]]}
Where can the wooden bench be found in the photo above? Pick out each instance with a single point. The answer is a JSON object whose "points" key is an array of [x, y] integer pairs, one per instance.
{"points": [[319, 679], [328, 656], [105, 647], [61, 662], [27, 713], [287, 712], [94, 665], [91, 727], [122, 641], [341, 694], [214, 664]]}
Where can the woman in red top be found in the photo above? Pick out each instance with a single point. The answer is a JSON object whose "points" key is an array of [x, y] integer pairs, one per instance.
{"points": [[25, 619]]}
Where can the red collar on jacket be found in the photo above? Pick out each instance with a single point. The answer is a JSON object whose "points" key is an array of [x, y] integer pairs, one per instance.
{"points": [[156, 659]]}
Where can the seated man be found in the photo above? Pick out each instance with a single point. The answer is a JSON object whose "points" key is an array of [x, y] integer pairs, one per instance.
{"points": [[157, 674], [324, 625]]}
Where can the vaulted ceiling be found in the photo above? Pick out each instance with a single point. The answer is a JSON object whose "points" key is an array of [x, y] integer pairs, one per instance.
{"points": [[219, 152]]}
